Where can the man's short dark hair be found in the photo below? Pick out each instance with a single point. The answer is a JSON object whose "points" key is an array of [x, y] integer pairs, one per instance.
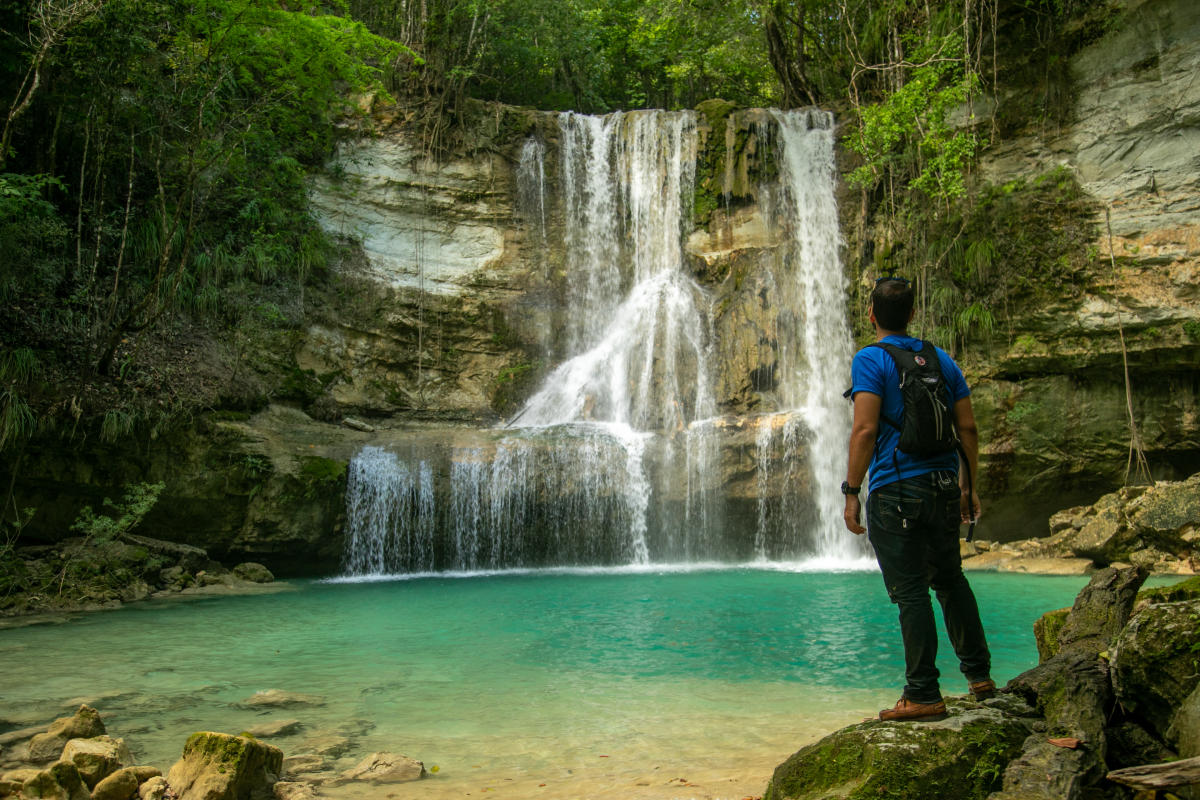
{"points": [[892, 301]]}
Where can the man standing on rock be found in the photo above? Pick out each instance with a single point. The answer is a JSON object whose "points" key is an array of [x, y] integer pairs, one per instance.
{"points": [[917, 499]]}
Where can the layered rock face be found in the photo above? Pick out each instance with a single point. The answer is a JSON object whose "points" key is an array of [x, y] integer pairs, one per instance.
{"points": [[1051, 394]]}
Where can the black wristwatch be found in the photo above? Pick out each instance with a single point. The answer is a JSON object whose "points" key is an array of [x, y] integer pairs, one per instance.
{"points": [[848, 489]]}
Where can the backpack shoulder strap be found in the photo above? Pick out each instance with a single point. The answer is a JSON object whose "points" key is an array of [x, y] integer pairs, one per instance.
{"points": [[897, 354]]}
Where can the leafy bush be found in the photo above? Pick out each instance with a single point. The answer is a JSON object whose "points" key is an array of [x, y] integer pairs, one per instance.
{"points": [[123, 517]]}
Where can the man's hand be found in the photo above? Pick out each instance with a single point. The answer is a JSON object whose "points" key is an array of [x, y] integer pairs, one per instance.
{"points": [[969, 506], [853, 515]]}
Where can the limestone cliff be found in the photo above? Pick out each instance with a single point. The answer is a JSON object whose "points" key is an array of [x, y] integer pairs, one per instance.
{"points": [[449, 308], [1086, 212]]}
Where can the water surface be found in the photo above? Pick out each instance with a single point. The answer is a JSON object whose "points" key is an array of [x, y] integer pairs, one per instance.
{"points": [[595, 683]]}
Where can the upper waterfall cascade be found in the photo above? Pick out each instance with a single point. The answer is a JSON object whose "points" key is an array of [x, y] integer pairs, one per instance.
{"points": [[616, 458]]}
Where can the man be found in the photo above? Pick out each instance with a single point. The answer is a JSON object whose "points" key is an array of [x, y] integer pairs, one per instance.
{"points": [[915, 507]]}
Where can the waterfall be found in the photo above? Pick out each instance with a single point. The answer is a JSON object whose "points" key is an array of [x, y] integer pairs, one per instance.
{"points": [[815, 384], [531, 185], [390, 514], [617, 457]]}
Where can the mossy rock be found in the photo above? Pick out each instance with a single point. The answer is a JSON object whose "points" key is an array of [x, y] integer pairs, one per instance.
{"points": [[218, 766], [253, 571], [1175, 593], [1156, 662], [1046, 630], [963, 757], [59, 781]]}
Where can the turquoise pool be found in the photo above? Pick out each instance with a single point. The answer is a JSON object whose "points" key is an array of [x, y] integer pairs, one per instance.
{"points": [[585, 681]]}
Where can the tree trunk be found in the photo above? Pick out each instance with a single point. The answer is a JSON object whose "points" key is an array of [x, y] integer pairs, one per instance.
{"points": [[785, 47]]}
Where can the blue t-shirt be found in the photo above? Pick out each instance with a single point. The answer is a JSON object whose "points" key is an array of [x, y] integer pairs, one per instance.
{"points": [[874, 371]]}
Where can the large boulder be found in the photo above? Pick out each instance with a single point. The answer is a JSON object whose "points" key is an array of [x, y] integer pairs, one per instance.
{"points": [[59, 781], [84, 724], [253, 571], [1166, 510], [1046, 630], [154, 789], [963, 756], [1154, 527], [218, 766], [1156, 662], [124, 783], [1101, 610], [121, 785], [1184, 732], [1072, 689], [97, 758], [1047, 771]]}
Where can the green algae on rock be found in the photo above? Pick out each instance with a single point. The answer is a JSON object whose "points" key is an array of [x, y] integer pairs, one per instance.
{"points": [[963, 756], [218, 766]]}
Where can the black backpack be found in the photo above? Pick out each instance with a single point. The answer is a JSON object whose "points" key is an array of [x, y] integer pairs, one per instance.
{"points": [[927, 428]]}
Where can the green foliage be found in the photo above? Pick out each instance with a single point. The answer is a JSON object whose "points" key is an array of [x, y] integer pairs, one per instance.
{"points": [[1014, 247], [908, 133], [321, 476], [582, 55], [183, 134], [1191, 329], [121, 517], [19, 369], [1022, 411]]}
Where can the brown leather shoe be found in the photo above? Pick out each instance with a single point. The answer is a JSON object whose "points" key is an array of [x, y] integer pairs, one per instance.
{"points": [[982, 690], [907, 711]]}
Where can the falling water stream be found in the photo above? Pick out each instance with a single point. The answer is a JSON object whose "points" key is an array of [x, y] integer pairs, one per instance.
{"points": [[615, 458]]}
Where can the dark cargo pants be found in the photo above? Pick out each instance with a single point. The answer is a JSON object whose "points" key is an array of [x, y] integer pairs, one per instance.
{"points": [[913, 526]]}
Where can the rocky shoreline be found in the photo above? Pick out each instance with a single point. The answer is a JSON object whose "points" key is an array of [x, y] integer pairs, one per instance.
{"points": [[75, 759], [1116, 687], [83, 574], [1152, 527]]}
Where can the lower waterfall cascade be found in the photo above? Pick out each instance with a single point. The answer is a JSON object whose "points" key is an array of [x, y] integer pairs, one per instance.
{"points": [[617, 458]]}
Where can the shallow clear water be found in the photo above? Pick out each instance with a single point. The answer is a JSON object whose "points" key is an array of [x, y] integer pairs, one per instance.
{"points": [[523, 677]]}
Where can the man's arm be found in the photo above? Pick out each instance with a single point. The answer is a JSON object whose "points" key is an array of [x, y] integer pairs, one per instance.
{"points": [[862, 443], [968, 434]]}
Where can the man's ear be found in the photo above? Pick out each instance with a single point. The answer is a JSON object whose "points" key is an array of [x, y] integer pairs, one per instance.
{"points": [[912, 314], [871, 313]]}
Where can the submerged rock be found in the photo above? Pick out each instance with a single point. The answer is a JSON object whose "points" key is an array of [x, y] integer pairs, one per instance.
{"points": [[217, 766], [273, 728], [277, 698], [295, 790], [387, 768], [963, 757]]}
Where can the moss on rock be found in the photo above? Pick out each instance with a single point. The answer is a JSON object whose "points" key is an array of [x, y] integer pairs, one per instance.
{"points": [[1046, 630], [218, 766], [963, 757]]}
